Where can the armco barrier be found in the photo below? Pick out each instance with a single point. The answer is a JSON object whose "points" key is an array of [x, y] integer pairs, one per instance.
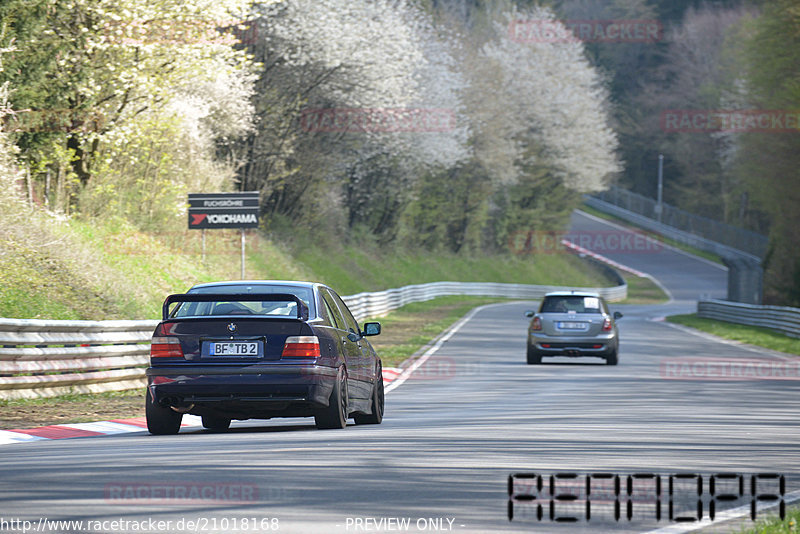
{"points": [[781, 318], [40, 358], [46, 358]]}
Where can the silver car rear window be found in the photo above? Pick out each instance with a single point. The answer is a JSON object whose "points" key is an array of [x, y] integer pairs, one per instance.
{"points": [[571, 304]]}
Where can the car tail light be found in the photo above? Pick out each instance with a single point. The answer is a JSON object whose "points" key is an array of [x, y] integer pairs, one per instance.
{"points": [[597, 346], [606, 325], [536, 324], [166, 347], [545, 345], [301, 347]]}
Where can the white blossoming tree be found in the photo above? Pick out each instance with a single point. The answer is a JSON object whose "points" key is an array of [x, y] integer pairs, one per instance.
{"points": [[548, 91]]}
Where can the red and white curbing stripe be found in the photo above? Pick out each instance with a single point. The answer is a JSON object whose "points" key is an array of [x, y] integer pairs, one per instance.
{"points": [[602, 258], [84, 430], [390, 374], [115, 426]]}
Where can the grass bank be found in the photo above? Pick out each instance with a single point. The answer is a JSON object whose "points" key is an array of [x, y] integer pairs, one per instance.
{"points": [[753, 335], [73, 269], [775, 525]]}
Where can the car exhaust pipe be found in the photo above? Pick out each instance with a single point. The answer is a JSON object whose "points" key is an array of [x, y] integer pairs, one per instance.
{"points": [[176, 403]]}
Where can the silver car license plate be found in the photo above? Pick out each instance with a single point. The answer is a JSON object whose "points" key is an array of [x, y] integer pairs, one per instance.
{"points": [[566, 325]]}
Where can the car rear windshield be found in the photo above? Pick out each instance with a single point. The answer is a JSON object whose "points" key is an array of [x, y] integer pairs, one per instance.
{"points": [[258, 307], [571, 304]]}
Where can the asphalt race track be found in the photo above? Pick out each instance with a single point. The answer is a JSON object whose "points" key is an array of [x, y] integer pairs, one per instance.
{"points": [[474, 414]]}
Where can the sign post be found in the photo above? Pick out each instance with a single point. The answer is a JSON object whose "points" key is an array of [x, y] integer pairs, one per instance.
{"points": [[224, 210]]}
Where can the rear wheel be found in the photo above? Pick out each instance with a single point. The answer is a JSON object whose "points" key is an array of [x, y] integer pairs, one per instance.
{"points": [[335, 414], [376, 416], [612, 359], [533, 356], [217, 424], [161, 420]]}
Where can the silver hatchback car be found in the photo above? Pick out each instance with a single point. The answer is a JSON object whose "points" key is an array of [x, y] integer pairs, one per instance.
{"points": [[573, 323]]}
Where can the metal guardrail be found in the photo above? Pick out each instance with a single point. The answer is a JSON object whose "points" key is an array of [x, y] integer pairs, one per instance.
{"points": [[732, 237], [40, 358], [745, 273], [686, 238], [781, 318]]}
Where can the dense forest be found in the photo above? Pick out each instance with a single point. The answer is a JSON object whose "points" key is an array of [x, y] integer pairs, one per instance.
{"points": [[428, 124]]}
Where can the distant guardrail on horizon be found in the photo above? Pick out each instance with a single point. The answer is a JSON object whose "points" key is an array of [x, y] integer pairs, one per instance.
{"points": [[725, 239], [41, 358], [740, 250], [781, 318]]}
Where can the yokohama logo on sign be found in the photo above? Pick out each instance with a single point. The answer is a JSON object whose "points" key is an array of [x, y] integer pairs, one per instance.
{"points": [[223, 210]]}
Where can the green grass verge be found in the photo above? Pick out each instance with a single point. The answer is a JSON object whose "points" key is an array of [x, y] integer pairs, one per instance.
{"points": [[775, 525], [677, 244], [643, 290], [753, 335], [69, 397]]}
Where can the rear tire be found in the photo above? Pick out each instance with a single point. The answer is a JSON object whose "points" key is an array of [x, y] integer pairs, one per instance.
{"points": [[161, 421], [376, 416], [612, 358], [533, 356], [216, 424], [335, 414]]}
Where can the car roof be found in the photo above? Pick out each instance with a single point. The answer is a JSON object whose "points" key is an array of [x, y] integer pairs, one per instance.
{"points": [[310, 285], [573, 294]]}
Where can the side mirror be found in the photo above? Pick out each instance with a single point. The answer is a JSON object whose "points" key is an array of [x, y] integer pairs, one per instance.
{"points": [[617, 315], [372, 329], [529, 313]]}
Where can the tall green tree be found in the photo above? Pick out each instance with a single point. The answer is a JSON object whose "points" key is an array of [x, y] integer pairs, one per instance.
{"points": [[769, 162]]}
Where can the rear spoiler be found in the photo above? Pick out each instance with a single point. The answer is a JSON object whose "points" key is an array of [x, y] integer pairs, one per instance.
{"points": [[302, 309]]}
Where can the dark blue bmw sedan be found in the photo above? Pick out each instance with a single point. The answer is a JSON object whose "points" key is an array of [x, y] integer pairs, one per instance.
{"points": [[261, 349]]}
